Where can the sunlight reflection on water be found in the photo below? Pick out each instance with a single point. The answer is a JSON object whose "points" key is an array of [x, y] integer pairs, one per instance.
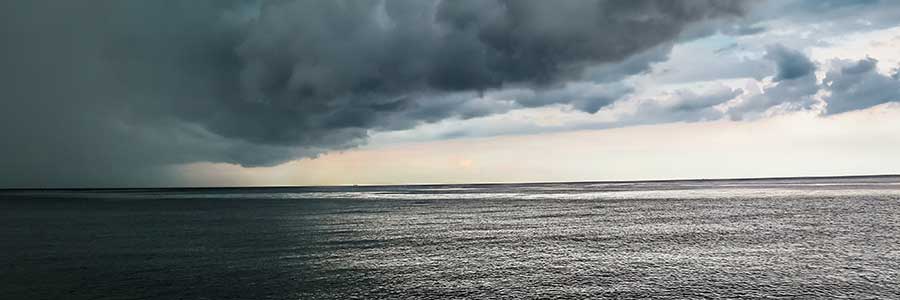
{"points": [[801, 238]]}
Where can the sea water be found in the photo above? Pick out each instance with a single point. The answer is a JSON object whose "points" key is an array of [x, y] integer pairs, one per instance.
{"points": [[775, 238]]}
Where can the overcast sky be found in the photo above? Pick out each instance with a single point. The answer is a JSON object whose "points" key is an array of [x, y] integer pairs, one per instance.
{"points": [[198, 93]]}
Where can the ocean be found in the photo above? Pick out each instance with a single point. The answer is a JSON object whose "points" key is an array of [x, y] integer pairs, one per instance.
{"points": [[800, 238]]}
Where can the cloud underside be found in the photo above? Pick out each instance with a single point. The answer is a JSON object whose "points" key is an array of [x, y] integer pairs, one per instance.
{"points": [[108, 93]]}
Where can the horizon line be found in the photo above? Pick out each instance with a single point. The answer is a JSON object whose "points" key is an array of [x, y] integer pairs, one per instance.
{"points": [[447, 184]]}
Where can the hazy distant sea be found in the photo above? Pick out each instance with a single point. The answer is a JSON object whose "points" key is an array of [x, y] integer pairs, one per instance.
{"points": [[778, 238]]}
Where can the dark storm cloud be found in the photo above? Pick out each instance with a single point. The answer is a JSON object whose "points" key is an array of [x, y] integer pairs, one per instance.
{"points": [[102, 92], [858, 85]]}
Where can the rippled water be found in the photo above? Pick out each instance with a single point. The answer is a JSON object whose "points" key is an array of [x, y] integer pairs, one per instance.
{"points": [[797, 238]]}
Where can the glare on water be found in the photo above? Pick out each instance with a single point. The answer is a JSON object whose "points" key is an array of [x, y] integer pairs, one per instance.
{"points": [[799, 238]]}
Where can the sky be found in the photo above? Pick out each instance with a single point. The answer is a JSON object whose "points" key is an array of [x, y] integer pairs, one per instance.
{"points": [[259, 93]]}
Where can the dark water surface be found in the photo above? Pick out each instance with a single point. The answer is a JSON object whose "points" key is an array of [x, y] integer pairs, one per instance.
{"points": [[794, 238]]}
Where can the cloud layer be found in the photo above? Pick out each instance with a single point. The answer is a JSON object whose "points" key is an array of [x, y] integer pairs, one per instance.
{"points": [[104, 93], [114, 92]]}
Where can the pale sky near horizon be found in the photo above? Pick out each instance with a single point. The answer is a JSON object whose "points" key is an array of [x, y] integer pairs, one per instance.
{"points": [[236, 93], [783, 146]]}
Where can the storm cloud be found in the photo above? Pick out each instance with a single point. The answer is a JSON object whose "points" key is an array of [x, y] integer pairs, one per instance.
{"points": [[96, 91]]}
